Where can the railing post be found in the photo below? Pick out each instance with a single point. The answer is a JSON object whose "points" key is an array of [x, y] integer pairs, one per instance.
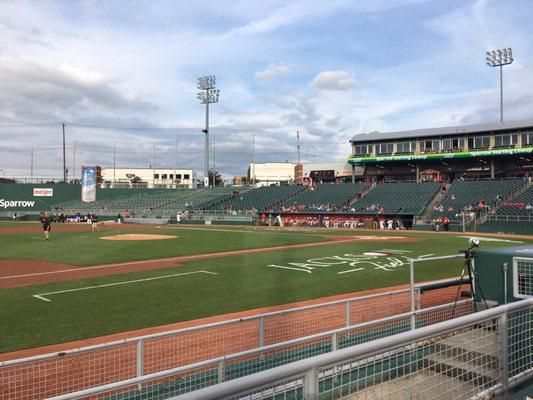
{"points": [[140, 360], [310, 389], [413, 300], [261, 331], [348, 317], [221, 371], [503, 326], [334, 342]]}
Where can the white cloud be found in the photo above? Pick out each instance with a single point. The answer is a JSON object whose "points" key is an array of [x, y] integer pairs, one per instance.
{"points": [[272, 71], [38, 91], [334, 80]]}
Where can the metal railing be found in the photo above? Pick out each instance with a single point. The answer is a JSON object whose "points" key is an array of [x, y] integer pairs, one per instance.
{"points": [[76, 369], [186, 379], [475, 356], [511, 218]]}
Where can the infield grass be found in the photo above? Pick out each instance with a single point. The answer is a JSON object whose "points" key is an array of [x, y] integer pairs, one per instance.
{"points": [[242, 283], [86, 248]]}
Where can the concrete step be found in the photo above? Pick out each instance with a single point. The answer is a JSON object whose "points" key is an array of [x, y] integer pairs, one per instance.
{"points": [[426, 385], [480, 375], [477, 346]]}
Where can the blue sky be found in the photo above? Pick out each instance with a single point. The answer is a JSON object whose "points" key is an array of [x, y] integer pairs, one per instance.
{"points": [[330, 69]]}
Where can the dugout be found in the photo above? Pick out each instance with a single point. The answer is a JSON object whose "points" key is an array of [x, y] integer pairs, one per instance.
{"points": [[503, 275]]}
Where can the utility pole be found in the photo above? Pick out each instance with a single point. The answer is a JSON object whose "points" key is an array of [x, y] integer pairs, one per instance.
{"points": [[214, 165], [298, 144], [31, 163], [64, 156], [74, 172], [253, 158], [176, 160], [207, 94], [114, 164]]}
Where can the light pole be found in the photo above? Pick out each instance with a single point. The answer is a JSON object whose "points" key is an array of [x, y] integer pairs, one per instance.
{"points": [[64, 156], [499, 58], [207, 94]]}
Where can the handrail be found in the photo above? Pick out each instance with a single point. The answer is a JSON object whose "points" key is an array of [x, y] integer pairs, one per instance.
{"points": [[245, 353], [115, 343], [299, 368]]}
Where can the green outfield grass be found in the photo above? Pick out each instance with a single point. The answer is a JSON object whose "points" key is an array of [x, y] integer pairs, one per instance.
{"points": [[86, 248], [241, 282]]}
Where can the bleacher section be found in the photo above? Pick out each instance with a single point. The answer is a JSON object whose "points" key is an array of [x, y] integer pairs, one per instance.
{"points": [[261, 198], [407, 198], [520, 205], [151, 200], [324, 196], [465, 195]]}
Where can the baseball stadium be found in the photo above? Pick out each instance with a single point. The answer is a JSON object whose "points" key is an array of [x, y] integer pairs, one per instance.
{"points": [[194, 292], [320, 234]]}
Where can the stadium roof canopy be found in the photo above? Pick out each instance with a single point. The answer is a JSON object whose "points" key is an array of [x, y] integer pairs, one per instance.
{"points": [[450, 130]]}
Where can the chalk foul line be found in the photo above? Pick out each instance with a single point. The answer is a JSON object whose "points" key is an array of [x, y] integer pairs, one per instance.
{"points": [[44, 296]]}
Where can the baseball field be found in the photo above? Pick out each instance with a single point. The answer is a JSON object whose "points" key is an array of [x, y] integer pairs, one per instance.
{"points": [[84, 284]]}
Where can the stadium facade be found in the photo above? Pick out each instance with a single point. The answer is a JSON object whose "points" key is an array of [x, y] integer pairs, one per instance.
{"points": [[148, 178], [491, 150], [310, 174]]}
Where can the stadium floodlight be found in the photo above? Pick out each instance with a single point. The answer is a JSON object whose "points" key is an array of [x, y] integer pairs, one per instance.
{"points": [[499, 58], [207, 94]]}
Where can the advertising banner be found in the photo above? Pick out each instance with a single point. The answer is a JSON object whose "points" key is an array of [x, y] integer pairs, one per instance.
{"points": [[438, 156], [88, 184], [43, 192]]}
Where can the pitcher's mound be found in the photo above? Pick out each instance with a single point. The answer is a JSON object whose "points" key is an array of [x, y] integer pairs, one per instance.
{"points": [[138, 236]]}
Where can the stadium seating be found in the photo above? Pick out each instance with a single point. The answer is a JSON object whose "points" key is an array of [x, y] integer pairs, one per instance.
{"points": [[262, 197], [520, 205], [398, 198], [466, 195], [324, 196], [152, 200]]}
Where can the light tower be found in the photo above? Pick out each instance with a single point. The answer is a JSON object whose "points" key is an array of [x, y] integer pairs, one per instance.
{"points": [[207, 94], [499, 58]]}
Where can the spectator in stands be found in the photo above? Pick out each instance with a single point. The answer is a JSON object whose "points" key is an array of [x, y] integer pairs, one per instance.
{"points": [[452, 197]]}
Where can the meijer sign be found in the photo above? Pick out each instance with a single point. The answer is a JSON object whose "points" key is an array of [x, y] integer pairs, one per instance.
{"points": [[43, 192]]}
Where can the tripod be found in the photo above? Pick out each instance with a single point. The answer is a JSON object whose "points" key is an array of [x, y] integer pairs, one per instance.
{"points": [[468, 268]]}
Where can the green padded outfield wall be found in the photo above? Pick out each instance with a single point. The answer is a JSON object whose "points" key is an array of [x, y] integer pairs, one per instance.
{"points": [[22, 197], [489, 272]]}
